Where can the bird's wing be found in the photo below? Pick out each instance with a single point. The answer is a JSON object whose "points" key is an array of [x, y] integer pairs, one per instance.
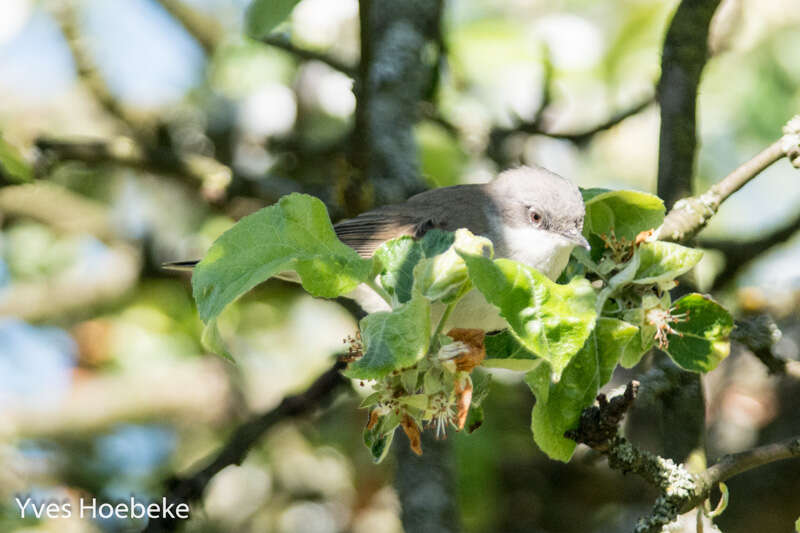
{"points": [[368, 231]]}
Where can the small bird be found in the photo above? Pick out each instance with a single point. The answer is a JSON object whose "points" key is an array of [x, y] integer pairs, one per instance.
{"points": [[530, 214]]}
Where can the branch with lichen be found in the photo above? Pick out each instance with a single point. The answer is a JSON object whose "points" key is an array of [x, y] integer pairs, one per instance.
{"points": [[680, 490], [690, 215]]}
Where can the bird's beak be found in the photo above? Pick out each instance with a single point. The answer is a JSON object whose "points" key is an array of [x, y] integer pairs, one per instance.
{"points": [[579, 240]]}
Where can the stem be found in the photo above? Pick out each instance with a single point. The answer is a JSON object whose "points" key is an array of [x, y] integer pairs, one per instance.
{"points": [[380, 291], [440, 326]]}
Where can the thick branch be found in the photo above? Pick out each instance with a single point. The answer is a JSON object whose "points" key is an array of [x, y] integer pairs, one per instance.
{"points": [[283, 42], [682, 61], [189, 489], [392, 79]]}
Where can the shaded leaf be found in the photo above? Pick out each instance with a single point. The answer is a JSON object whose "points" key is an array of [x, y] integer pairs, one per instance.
{"points": [[701, 341], [559, 404], [398, 258], [263, 16], [503, 350]]}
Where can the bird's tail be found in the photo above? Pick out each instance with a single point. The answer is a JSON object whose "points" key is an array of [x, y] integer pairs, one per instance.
{"points": [[180, 265]]}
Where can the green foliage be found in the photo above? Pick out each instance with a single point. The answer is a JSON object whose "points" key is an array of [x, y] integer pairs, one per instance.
{"points": [[503, 350], [664, 261], [398, 258], [698, 335], [567, 337], [553, 321], [294, 234], [623, 213], [13, 166], [559, 402], [263, 16], [393, 339]]}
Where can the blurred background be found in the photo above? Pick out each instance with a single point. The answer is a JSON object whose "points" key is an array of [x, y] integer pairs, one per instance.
{"points": [[153, 125]]}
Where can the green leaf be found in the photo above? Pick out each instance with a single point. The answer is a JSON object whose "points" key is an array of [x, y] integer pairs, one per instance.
{"points": [[398, 257], [626, 212], [379, 439], [393, 339], [551, 320], [211, 339], [474, 418], [444, 276], [701, 341], [797, 525], [636, 349], [13, 166], [294, 234], [559, 404], [664, 261], [503, 350], [264, 15]]}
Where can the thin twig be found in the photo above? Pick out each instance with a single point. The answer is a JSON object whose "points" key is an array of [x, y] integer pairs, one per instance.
{"points": [[203, 29], [190, 488], [65, 15], [282, 41], [690, 215]]}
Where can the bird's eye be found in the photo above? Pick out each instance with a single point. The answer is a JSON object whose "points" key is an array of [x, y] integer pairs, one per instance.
{"points": [[536, 218]]}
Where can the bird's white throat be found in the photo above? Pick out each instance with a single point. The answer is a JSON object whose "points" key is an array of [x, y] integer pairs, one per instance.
{"points": [[545, 251]]}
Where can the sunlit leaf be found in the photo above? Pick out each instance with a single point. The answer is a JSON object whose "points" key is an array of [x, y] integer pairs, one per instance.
{"points": [[294, 234], [559, 404], [663, 261], [444, 277], [393, 339], [701, 328], [398, 257], [627, 213], [551, 320]]}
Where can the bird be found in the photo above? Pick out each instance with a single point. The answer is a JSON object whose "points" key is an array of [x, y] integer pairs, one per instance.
{"points": [[531, 215]]}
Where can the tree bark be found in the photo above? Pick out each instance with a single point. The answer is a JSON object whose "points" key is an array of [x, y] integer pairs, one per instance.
{"points": [[684, 56]]}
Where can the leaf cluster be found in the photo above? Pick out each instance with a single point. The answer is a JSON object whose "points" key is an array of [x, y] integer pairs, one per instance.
{"points": [[610, 307]]}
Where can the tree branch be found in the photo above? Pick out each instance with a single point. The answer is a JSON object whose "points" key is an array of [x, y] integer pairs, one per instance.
{"points": [[535, 127], [690, 215], [680, 490], [202, 28], [190, 488], [283, 42], [213, 176], [682, 61], [66, 17]]}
